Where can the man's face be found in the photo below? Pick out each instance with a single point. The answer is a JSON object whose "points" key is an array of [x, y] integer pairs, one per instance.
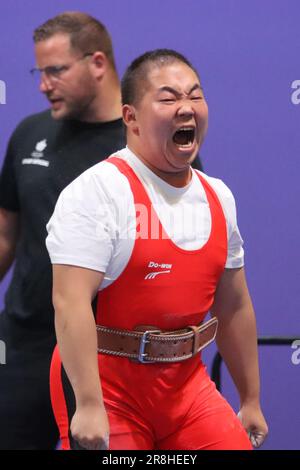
{"points": [[171, 118], [67, 81]]}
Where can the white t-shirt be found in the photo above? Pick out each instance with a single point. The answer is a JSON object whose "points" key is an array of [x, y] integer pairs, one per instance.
{"points": [[94, 221]]}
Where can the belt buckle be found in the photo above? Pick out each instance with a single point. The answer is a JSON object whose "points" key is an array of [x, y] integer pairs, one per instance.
{"points": [[142, 357]]}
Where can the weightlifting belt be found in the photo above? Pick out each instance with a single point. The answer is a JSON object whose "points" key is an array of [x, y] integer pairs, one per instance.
{"points": [[148, 344]]}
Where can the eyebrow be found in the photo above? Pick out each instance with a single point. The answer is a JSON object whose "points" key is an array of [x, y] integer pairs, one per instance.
{"points": [[175, 92]]}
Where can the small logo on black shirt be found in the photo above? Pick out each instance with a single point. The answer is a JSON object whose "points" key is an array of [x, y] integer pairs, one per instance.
{"points": [[39, 148], [36, 154]]}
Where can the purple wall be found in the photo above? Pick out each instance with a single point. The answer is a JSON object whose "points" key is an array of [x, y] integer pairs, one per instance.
{"points": [[247, 53]]}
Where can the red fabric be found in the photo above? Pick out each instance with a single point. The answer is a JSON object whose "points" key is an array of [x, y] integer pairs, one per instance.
{"points": [[172, 300], [58, 399], [164, 406], [206, 422]]}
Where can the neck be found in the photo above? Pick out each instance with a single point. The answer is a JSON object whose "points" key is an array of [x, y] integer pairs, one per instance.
{"points": [[176, 178], [107, 103], [179, 179]]}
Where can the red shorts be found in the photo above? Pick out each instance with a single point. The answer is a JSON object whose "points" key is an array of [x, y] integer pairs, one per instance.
{"points": [[154, 406]]}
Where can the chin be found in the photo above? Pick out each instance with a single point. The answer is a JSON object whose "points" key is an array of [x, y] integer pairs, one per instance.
{"points": [[186, 160], [57, 115]]}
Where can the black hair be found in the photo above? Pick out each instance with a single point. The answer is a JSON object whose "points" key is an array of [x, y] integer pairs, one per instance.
{"points": [[135, 78]]}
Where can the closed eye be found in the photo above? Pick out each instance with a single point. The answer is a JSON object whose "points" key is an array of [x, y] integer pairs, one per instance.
{"points": [[167, 100]]}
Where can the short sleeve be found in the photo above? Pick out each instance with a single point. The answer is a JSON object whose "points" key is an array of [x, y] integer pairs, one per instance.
{"points": [[235, 251], [82, 230], [9, 198], [235, 255]]}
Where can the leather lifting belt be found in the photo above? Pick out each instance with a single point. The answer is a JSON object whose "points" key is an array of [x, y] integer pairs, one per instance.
{"points": [[147, 344]]}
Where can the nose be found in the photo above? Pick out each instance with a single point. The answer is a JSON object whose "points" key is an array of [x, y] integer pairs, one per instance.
{"points": [[45, 84], [185, 109]]}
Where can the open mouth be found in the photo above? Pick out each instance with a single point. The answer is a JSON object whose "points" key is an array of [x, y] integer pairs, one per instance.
{"points": [[184, 137]]}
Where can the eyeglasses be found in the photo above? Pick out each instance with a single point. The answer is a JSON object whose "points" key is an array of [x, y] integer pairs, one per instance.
{"points": [[54, 72]]}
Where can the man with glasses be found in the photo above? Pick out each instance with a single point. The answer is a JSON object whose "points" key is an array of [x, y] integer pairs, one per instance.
{"points": [[77, 74]]}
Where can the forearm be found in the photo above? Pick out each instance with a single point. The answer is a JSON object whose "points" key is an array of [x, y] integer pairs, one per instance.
{"points": [[77, 341], [73, 291], [237, 338], [9, 234], [7, 254], [237, 343]]}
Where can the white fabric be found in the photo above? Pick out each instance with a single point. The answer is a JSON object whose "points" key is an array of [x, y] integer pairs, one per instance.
{"points": [[94, 222]]}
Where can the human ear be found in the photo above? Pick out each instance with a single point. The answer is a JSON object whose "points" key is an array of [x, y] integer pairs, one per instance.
{"points": [[99, 63], [129, 118]]}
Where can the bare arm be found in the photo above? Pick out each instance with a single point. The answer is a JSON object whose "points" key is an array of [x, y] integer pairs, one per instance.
{"points": [[73, 291], [9, 234], [237, 343]]}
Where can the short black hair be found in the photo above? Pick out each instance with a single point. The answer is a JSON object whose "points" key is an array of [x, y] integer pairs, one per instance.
{"points": [[135, 78], [87, 34]]}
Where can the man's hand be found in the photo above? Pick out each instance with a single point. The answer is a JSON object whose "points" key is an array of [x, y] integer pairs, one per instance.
{"points": [[254, 423], [9, 235], [90, 428]]}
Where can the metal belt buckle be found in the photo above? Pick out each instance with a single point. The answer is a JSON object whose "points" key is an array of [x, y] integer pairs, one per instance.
{"points": [[142, 357]]}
